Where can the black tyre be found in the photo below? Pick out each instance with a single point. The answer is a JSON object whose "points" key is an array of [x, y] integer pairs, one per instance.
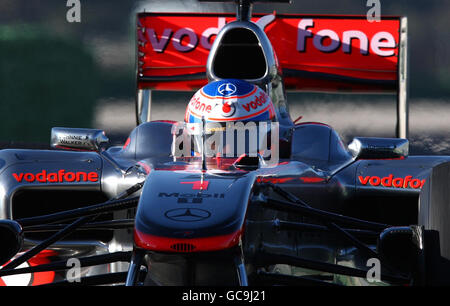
{"points": [[434, 216]]}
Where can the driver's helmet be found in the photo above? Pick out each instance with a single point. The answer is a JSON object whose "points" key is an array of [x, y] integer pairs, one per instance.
{"points": [[232, 105]]}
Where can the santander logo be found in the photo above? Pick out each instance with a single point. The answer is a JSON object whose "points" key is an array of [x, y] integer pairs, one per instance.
{"points": [[56, 177], [390, 181]]}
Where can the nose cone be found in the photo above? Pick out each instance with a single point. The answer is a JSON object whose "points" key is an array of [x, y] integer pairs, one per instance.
{"points": [[184, 207]]}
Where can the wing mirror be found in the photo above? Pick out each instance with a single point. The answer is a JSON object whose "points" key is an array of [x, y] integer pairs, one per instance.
{"points": [[78, 139], [11, 237], [378, 148]]}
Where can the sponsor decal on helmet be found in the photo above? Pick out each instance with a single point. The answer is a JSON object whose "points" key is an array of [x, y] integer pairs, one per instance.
{"points": [[228, 109], [199, 106], [227, 89], [259, 100], [391, 181], [230, 100], [61, 176]]}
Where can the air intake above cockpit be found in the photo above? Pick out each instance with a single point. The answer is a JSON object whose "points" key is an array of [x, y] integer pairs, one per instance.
{"points": [[239, 55]]}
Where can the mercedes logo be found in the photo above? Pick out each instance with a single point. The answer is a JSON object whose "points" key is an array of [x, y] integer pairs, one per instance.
{"points": [[187, 214], [227, 89]]}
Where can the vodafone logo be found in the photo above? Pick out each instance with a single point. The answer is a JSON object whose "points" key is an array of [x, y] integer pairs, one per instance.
{"points": [[198, 106], [326, 40], [56, 177], [390, 181], [382, 43], [184, 39], [260, 100]]}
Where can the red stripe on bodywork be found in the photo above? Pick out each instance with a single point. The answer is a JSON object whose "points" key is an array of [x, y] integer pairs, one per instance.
{"points": [[127, 143], [164, 244], [274, 180], [165, 121], [146, 167], [312, 179]]}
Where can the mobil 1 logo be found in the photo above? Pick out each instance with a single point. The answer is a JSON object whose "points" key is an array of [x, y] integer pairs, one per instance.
{"points": [[194, 198]]}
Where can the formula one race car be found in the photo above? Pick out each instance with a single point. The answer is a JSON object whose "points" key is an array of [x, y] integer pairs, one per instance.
{"points": [[175, 206]]}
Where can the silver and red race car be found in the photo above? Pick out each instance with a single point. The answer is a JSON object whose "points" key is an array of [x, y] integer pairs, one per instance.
{"points": [[312, 212]]}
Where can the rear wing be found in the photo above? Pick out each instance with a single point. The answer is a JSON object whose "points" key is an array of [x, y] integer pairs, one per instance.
{"points": [[325, 53]]}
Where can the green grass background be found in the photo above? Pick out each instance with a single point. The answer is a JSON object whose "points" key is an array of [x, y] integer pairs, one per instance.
{"points": [[45, 81]]}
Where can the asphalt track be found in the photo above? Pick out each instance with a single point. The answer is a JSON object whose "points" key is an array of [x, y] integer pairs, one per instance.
{"points": [[429, 119]]}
